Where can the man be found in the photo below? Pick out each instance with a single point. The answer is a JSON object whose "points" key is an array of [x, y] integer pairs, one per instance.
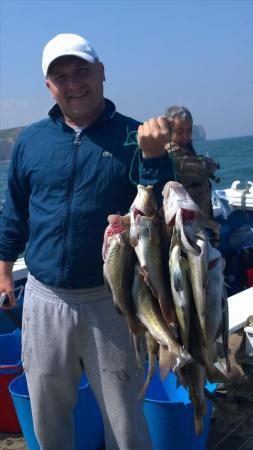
{"points": [[192, 171], [68, 173]]}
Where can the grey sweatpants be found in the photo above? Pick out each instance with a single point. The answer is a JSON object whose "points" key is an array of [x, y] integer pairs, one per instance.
{"points": [[64, 332]]}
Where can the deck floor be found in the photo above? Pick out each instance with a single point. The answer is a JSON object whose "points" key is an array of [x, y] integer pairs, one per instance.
{"points": [[232, 422]]}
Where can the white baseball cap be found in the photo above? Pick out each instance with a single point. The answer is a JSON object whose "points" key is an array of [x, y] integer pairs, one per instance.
{"points": [[67, 44]]}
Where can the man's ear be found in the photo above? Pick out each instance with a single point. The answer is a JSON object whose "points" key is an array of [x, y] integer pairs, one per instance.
{"points": [[48, 86], [102, 69]]}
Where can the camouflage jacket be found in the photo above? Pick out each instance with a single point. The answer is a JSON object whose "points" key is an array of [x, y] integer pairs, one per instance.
{"points": [[194, 172]]}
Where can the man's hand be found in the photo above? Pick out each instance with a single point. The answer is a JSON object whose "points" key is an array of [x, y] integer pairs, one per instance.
{"points": [[6, 282], [153, 135]]}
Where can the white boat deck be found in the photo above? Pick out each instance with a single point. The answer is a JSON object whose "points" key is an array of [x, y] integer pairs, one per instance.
{"points": [[240, 307]]}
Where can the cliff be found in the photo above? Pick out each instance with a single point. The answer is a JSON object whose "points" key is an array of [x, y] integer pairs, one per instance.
{"points": [[7, 139]]}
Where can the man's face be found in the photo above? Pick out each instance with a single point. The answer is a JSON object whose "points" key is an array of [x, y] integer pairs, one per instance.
{"points": [[181, 132], [77, 87]]}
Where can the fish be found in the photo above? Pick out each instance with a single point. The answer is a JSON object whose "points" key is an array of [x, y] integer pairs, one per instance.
{"points": [[187, 229], [168, 281], [214, 294], [148, 247], [149, 314], [225, 328], [180, 209], [117, 224], [118, 269], [145, 237], [180, 287], [145, 201], [189, 225], [216, 322], [144, 204], [175, 197], [205, 352], [198, 268]]}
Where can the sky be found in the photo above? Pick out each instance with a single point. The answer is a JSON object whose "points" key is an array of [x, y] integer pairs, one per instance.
{"points": [[156, 54]]}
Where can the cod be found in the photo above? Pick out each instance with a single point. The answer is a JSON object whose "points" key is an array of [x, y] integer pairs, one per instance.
{"points": [[149, 314], [118, 268], [145, 237]]}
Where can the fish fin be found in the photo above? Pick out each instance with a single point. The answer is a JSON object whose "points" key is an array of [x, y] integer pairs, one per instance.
{"points": [[133, 236], [143, 390], [143, 271], [164, 362], [137, 348], [198, 423]]}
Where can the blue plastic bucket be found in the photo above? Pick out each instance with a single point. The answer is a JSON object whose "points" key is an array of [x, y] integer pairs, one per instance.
{"points": [[10, 367], [170, 416], [11, 319], [88, 421], [10, 352]]}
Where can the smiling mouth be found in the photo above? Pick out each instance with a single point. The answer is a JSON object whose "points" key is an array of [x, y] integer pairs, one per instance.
{"points": [[78, 97]]}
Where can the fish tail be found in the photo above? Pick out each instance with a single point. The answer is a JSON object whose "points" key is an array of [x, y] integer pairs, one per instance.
{"points": [[137, 348], [200, 410], [198, 423], [164, 361], [151, 371], [143, 391]]}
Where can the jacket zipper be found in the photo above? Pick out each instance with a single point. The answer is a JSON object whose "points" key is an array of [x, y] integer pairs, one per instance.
{"points": [[70, 191]]}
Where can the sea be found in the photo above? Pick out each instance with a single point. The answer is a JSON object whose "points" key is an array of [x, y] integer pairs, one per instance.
{"points": [[234, 155]]}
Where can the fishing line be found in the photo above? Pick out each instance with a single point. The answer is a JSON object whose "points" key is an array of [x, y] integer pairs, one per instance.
{"points": [[171, 157], [131, 140]]}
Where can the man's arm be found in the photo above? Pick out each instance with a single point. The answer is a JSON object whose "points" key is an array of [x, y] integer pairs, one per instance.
{"points": [[13, 226], [14, 229]]}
